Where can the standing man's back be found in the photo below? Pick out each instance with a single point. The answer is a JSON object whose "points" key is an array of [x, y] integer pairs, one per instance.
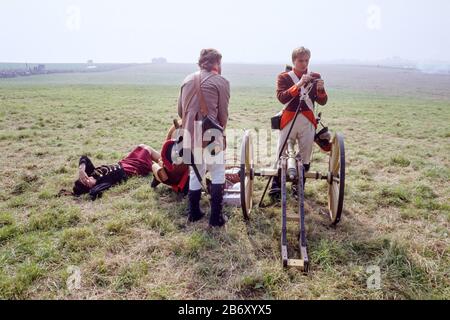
{"points": [[216, 92], [203, 102]]}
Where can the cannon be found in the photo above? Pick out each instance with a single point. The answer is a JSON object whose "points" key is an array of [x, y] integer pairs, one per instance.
{"points": [[290, 168]]}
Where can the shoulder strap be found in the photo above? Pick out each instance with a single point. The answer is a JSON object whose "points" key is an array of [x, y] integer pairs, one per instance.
{"points": [[293, 76], [193, 93], [203, 107], [197, 83], [296, 80]]}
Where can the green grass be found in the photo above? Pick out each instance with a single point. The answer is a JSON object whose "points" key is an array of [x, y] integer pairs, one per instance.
{"points": [[400, 161], [134, 242]]}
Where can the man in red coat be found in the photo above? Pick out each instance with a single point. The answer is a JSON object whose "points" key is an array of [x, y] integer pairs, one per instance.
{"points": [[299, 88]]}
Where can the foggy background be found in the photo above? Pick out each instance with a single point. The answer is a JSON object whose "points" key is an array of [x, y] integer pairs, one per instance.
{"points": [[348, 31]]}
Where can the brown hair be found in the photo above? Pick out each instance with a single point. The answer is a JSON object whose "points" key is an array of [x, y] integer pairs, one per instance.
{"points": [[209, 57], [300, 52]]}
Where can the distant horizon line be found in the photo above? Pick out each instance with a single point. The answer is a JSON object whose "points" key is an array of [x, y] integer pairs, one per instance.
{"points": [[382, 62], [394, 60]]}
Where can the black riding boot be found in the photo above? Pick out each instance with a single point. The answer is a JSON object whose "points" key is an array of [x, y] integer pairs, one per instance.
{"points": [[295, 184], [275, 189], [217, 219], [194, 213], [155, 183], [305, 170]]}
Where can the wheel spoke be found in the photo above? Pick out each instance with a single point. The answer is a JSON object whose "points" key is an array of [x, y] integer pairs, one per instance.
{"points": [[248, 195], [336, 166], [335, 191], [336, 154]]}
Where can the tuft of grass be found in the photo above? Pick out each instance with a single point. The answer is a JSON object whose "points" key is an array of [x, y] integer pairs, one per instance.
{"points": [[46, 194], [410, 214], [160, 292], [117, 226], [400, 269], [438, 173], [262, 283], [399, 161], [366, 172], [428, 204], [274, 278], [159, 222], [251, 283], [101, 273], [16, 286], [61, 170], [6, 219], [7, 232], [396, 196], [425, 198], [327, 254], [425, 192], [54, 219], [199, 242], [21, 188], [144, 193], [29, 177], [99, 156], [368, 249], [18, 202], [130, 276], [78, 239], [37, 247]]}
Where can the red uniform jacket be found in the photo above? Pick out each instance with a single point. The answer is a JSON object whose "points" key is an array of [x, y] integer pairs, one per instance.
{"points": [[287, 91]]}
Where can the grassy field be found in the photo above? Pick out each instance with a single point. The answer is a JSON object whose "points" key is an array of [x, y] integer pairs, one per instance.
{"points": [[134, 242]]}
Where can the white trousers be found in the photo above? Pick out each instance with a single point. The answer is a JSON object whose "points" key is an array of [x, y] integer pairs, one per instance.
{"points": [[303, 132], [215, 168]]}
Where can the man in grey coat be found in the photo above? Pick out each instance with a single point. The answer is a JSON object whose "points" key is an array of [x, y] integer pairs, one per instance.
{"points": [[205, 94]]}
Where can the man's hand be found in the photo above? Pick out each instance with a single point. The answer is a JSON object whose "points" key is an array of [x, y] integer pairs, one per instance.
{"points": [[306, 78], [91, 182], [320, 85], [83, 176]]}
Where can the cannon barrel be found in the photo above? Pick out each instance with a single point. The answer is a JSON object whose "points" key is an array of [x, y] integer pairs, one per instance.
{"points": [[292, 162]]}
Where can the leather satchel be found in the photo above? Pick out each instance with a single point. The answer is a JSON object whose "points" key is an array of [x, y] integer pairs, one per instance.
{"points": [[208, 122], [275, 121]]}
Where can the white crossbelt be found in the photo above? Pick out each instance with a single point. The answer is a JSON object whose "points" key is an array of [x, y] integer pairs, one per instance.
{"points": [[304, 91]]}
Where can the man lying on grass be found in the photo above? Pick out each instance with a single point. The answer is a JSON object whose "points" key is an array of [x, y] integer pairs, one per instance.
{"points": [[140, 162], [95, 180]]}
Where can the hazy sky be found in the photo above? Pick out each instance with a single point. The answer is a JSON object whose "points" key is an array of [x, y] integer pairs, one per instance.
{"points": [[256, 31]]}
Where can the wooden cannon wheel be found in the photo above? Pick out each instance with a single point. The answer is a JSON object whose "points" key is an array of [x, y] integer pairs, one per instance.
{"points": [[336, 178], [246, 174]]}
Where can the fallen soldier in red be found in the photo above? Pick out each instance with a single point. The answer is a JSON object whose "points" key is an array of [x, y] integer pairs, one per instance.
{"points": [[95, 180], [140, 162]]}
